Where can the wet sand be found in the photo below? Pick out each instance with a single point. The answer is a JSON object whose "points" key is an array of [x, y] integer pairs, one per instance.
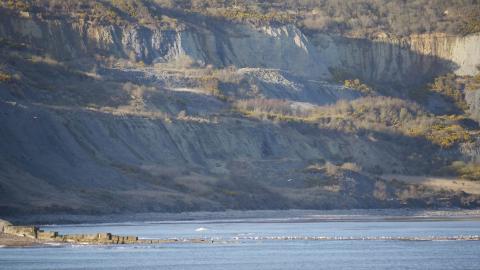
{"points": [[8, 240], [256, 216]]}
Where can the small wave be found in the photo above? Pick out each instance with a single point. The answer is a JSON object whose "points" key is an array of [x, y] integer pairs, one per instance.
{"points": [[201, 229], [55, 244]]}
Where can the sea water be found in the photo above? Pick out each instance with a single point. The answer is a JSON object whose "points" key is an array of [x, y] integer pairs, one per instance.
{"points": [[233, 245]]}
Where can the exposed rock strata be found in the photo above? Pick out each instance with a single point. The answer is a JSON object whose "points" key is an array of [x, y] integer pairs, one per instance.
{"points": [[405, 61], [100, 147]]}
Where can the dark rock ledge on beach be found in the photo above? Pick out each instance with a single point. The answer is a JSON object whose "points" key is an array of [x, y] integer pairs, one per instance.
{"points": [[12, 235]]}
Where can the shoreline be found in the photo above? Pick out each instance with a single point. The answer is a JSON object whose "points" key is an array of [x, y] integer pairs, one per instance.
{"points": [[264, 216], [11, 241], [17, 241], [230, 216]]}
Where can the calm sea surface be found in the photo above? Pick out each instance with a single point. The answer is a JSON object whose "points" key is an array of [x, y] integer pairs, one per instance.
{"points": [[226, 252]]}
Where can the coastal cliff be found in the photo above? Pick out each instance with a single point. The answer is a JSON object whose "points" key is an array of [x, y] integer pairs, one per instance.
{"points": [[205, 113], [410, 60], [279, 47]]}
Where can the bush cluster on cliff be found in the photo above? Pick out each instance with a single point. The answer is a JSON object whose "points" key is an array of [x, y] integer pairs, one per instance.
{"points": [[358, 18], [356, 84], [379, 114], [5, 77], [469, 171]]}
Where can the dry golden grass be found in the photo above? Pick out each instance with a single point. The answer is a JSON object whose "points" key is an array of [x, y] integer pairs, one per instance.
{"points": [[438, 183]]}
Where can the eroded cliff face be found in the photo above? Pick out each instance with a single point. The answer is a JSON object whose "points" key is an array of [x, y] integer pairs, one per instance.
{"points": [[405, 61], [84, 143], [241, 45], [472, 97]]}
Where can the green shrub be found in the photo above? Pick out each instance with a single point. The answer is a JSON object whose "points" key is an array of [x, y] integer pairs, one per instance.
{"points": [[450, 88], [447, 135], [19, 5], [5, 77], [471, 27], [468, 171], [356, 84]]}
